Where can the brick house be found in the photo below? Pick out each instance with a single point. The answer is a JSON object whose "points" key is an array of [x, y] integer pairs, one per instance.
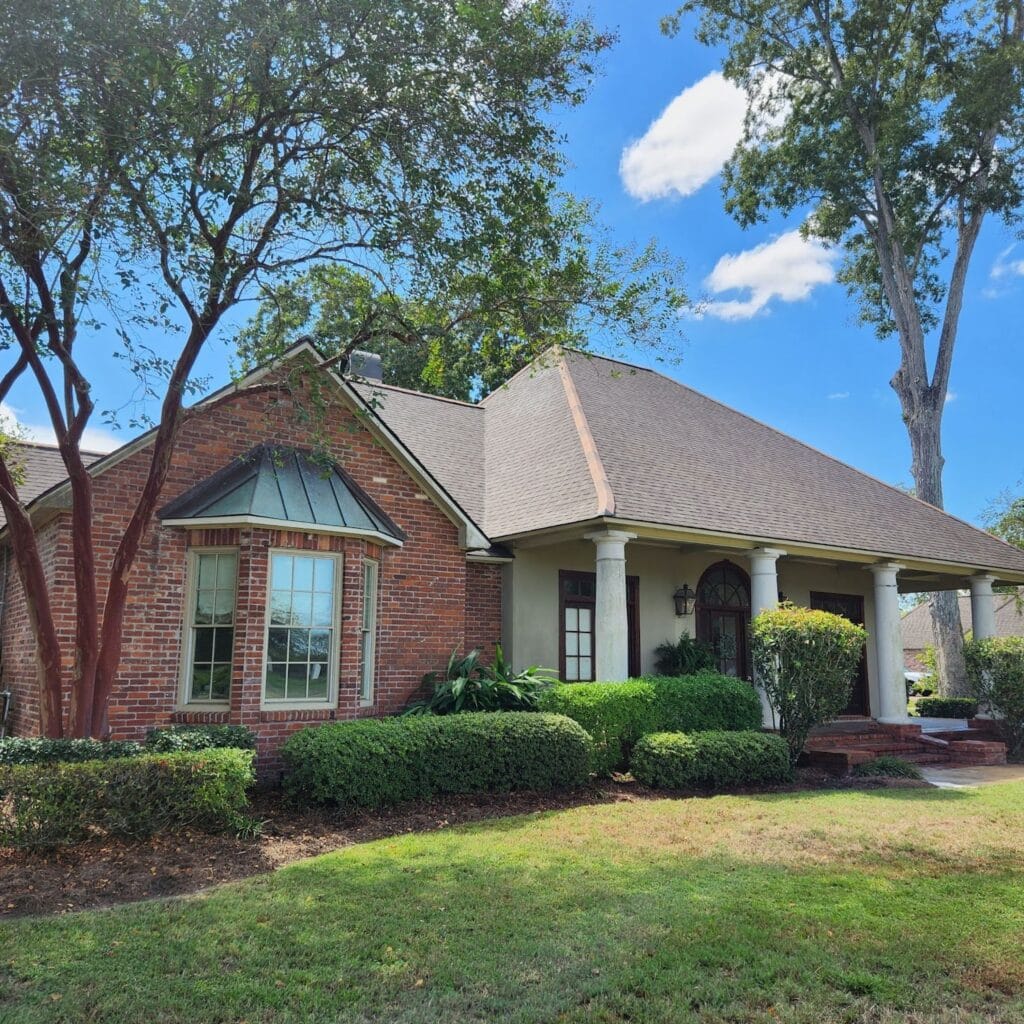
{"points": [[287, 582]]}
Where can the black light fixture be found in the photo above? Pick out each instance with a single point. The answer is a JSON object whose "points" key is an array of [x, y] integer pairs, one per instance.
{"points": [[684, 599]]}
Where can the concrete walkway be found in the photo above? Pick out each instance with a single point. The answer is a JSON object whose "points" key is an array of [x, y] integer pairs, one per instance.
{"points": [[948, 777]]}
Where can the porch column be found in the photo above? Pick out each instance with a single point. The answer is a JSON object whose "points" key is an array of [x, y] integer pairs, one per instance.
{"points": [[983, 609], [764, 594], [611, 629], [892, 688]]}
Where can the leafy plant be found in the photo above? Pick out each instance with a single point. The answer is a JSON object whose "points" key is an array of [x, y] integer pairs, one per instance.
{"points": [[200, 737], [379, 762], [995, 668], [888, 766], [946, 707], [467, 684], [710, 760], [40, 750], [806, 661], [683, 657], [60, 803]]}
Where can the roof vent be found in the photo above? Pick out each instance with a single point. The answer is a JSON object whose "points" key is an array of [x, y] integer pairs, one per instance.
{"points": [[366, 365]]}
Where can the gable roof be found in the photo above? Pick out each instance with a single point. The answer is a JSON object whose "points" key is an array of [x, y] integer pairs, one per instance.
{"points": [[917, 623], [282, 485], [42, 468]]}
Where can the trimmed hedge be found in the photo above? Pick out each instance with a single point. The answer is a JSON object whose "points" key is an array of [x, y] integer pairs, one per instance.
{"points": [[710, 760], [617, 714], [379, 762], [38, 750], [59, 803], [946, 707], [169, 739], [888, 767]]}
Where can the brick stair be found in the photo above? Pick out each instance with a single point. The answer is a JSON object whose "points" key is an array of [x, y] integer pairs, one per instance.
{"points": [[840, 747]]}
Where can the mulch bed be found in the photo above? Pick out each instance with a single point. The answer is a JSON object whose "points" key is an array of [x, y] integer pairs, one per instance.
{"points": [[103, 874]]}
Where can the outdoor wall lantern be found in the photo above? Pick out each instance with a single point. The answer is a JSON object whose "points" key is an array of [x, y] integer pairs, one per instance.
{"points": [[684, 599]]}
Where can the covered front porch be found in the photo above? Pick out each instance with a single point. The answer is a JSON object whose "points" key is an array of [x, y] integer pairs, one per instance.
{"points": [[596, 600]]}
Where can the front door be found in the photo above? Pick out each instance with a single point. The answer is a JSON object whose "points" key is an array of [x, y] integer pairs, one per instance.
{"points": [[849, 606], [723, 617]]}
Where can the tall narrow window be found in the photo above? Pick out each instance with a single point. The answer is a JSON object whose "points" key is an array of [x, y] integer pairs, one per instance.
{"points": [[301, 628], [371, 574], [211, 636]]}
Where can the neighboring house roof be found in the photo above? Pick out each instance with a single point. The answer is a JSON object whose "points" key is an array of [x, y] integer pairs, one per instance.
{"points": [[917, 623], [41, 468], [272, 483]]}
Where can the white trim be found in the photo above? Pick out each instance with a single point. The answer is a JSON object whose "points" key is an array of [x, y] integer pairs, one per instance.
{"points": [[368, 688], [216, 522], [334, 659], [489, 559], [187, 630]]}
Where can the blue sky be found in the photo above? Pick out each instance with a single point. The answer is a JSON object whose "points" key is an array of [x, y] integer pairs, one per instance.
{"points": [[779, 341]]}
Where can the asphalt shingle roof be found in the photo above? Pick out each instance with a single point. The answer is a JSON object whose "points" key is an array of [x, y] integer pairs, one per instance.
{"points": [[41, 468], [917, 623]]}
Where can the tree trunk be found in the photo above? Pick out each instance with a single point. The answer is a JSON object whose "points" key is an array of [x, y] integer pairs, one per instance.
{"points": [[925, 431]]}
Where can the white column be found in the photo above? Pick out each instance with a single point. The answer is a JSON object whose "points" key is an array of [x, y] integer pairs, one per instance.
{"points": [[764, 594], [888, 637], [983, 608], [611, 628]]}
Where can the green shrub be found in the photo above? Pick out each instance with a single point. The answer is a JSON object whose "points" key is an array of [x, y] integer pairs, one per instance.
{"points": [[469, 685], [683, 657], [168, 739], [710, 760], [379, 762], [923, 687], [38, 750], [888, 766], [615, 715], [58, 803], [995, 668], [806, 661], [946, 707]]}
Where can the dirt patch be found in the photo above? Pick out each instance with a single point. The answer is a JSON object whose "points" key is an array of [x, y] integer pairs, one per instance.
{"points": [[102, 874]]}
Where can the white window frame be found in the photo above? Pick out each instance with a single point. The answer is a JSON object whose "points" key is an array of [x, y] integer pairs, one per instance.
{"points": [[368, 636], [335, 654], [188, 631]]}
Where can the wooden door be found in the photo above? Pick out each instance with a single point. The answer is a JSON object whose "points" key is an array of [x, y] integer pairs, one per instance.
{"points": [[849, 606]]}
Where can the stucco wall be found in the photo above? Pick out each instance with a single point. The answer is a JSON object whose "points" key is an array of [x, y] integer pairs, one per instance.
{"points": [[531, 589]]}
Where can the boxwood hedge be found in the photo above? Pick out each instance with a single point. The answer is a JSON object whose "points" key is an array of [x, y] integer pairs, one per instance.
{"points": [[200, 737], [59, 802], [710, 760], [946, 707], [378, 762], [617, 714], [39, 750]]}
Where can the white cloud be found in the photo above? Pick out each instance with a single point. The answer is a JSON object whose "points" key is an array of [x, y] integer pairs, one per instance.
{"points": [[838, 396], [93, 439], [951, 396], [686, 146], [787, 268], [1005, 267]]}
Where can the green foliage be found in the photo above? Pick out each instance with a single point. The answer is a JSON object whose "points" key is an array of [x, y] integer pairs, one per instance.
{"points": [[923, 687], [710, 760], [200, 737], [38, 750], [946, 707], [995, 668], [684, 657], [467, 684], [806, 661], [889, 767], [379, 762], [617, 714], [59, 803]]}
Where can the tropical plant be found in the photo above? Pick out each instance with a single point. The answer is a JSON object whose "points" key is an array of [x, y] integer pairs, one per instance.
{"points": [[806, 661], [683, 657], [468, 684]]}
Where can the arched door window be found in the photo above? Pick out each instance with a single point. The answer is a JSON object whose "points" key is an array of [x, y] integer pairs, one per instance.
{"points": [[723, 617]]}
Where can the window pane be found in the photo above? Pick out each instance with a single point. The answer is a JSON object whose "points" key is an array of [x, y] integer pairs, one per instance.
{"points": [[318, 682], [281, 572], [572, 672], [200, 684], [302, 608], [324, 575], [204, 608], [572, 619], [277, 645], [298, 644], [207, 572], [584, 620], [584, 643], [203, 650], [223, 641], [323, 609], [224, 607], [588, 588], [585, 671], [280, 608], [276, 677], [572, 644], [319, 645], [220, 682], [303, 576], [297, 675], [226, 570]]}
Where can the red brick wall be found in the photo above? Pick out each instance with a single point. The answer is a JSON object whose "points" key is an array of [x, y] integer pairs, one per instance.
{"points": [[483, 607], [425, 609]]}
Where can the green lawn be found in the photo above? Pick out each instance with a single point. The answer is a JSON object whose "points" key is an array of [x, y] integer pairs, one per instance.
{"points": [[891, 905]]}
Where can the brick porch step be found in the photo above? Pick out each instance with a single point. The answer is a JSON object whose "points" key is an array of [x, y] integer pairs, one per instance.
{"points": [[839, 758]]}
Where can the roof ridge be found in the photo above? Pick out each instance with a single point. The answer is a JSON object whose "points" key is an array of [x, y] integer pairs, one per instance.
{"points": [[602, 486], [804, 444], [557, 351], [51, 446]]}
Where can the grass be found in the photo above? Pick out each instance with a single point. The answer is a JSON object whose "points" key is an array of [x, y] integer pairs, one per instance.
{"points": [[891, 905]]}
